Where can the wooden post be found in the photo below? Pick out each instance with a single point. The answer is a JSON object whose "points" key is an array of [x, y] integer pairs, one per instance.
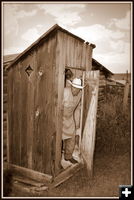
{"points": [[82, 100], [127, 77], [125, 98], [126, 92]]}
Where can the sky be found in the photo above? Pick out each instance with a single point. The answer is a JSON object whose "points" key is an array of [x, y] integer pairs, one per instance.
{"points": [[107, 25]]}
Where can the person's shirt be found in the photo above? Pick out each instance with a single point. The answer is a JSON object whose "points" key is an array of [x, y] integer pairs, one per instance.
{"points": [[70, 103]]}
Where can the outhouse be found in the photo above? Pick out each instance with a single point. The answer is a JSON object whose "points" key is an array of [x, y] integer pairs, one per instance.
{"points": [[36, 81]]}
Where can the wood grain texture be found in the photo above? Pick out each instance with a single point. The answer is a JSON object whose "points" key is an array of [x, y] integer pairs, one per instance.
{"points": [[10, 108], [30, 110], [90, 52], [4, 98], [78, 54], [32, 116], [44, 106], [7, 142], [75, 54], [27, 181], [24, 114], [87, 57], [81, 112], [83, 60], [5, 116], [87, 98], [89, 132], [36, 149], [34, 175], [4, 88], [63, 176], [4, 126], [72, 51], [60, 66], [67, 61], [4, 108], [86, 61]]}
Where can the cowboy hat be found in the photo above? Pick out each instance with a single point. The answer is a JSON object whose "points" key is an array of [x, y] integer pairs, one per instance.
{"points": [[76, 82]]}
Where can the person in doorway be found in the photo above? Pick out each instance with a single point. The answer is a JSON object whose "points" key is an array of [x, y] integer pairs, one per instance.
{"points": [[72, 97]]}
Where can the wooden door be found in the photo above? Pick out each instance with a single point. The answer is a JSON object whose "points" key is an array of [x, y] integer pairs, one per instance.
{"points": [[89, 130]]}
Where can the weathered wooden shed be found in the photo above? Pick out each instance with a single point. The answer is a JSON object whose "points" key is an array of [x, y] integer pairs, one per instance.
{"points": [[35, 94], [105, 74]]}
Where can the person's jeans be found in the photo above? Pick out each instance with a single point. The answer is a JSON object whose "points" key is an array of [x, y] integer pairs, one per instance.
{"points": [[68, 147]]}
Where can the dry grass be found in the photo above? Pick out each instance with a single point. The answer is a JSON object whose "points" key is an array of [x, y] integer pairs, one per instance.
{"points": [[113, 125]]}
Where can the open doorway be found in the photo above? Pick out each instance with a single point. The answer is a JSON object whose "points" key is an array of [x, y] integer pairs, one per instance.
{"points": [[72, 117]]}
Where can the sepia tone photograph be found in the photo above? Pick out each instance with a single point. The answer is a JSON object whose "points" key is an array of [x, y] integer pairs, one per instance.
{"points": [[67, 99]]}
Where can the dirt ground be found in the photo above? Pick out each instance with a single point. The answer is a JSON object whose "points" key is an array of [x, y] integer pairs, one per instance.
{"points": [[110, 171], [112, 167]]}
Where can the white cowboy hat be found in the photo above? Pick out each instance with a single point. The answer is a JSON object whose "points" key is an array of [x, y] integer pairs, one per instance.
{"points": [[77, 83]]}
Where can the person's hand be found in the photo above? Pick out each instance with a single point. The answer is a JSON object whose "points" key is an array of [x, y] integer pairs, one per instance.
{"points": [[77, 127], [78, 131]]}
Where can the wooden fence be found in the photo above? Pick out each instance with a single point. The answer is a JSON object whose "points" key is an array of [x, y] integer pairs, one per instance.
{"points": [[107, 87]]}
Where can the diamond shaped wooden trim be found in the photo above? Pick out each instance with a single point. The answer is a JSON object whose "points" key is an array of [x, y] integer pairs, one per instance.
{"points": [[29, 70]]}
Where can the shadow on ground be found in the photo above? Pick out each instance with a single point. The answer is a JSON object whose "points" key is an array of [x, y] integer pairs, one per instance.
{"points": [[111, 169]]}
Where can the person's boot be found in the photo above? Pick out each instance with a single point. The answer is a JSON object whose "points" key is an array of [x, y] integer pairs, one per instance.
{"points": [[72, 160]]}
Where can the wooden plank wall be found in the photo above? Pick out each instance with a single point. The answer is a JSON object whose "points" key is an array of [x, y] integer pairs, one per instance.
{"points": [[20, 98], [60, 73], [32, 109], [77, 53], [45, 106]]}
